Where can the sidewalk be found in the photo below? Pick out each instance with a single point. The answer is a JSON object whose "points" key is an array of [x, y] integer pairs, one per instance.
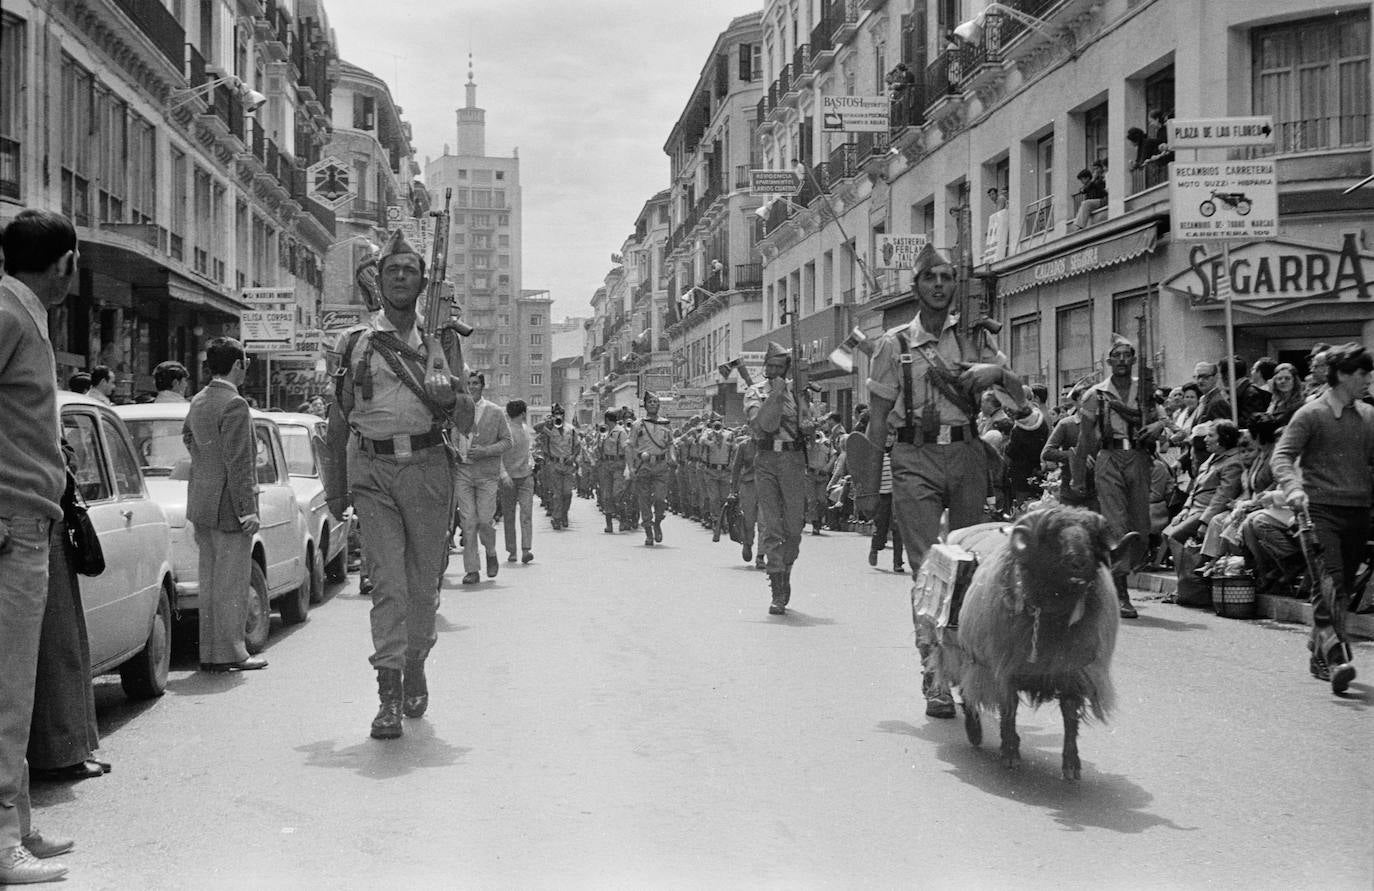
{"points": [[1281, 609]]}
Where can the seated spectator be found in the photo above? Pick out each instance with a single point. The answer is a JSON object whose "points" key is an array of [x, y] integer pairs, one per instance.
{"points": [[1314, 385], [1214, 487], [79, 382], [1093, 187]]}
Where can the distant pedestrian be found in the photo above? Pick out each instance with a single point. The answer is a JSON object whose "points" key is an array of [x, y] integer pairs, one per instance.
{"points": [[222, 504], [102, 384], [172, 380], [477, 479], [79, 382], [517, 482]]}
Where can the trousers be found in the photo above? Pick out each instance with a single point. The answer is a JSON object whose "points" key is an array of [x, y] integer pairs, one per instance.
{"points": [[1342, 532], [64, 729], [780, 478], [883, 527], [927, 479], [610, 475], [561, 478], [651, 487], [749, 507], [717, 486], [1122, 478], [817, 496], [476, 497], [23, 596], [404, 506], [519, 494], [225, 576]]}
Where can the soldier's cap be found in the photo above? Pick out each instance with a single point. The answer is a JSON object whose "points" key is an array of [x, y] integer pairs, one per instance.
{"points": [[397, 244], [611, 414], [776, 350], [650, 394], [929, 258], [1120, 341], [557, 409]]}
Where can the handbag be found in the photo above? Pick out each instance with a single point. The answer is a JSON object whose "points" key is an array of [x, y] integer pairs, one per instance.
{"points": [[87, 556]]}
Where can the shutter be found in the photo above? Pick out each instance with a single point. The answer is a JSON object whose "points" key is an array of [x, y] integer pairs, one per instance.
{"points": [[746, 62]]}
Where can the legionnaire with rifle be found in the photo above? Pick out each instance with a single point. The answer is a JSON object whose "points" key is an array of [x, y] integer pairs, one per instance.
{"points": [[395, 398], [924, 380], [652, 459], [610, 470], [1117, 420], [558, 446], [778, 422]]}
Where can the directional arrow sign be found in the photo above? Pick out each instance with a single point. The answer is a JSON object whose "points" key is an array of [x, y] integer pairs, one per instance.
{"points": [[1221, 132]]}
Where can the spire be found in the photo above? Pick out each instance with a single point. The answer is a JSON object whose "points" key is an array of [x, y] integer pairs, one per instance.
{"points": [[472, 121]]}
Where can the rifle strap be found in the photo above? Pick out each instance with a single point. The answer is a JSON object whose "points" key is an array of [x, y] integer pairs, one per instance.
{"points": [[401, 358], [939, 375]]}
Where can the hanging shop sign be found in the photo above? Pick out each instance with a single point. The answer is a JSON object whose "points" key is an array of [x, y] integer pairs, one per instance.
{"points": [[1101, 254], [268, 325], [899, 251], [1230, 199], [773, 182], [1271, 276], [855, 114], [330, 183]]}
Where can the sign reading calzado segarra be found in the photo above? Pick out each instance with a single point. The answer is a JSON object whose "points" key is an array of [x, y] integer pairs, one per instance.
{"points": [[855, 114]]}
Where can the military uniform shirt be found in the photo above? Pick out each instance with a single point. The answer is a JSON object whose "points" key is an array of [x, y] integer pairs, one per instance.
{"points": [[560, 445], [885, 371], [755, 396], [716, 447], [649, 436], [393, 409], [614, 442]]}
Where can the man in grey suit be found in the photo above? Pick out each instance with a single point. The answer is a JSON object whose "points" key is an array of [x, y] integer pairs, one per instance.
{"points": [[222, 503], [477, 478]]}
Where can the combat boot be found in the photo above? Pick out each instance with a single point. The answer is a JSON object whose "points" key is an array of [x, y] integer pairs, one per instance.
{"points": [[1123, 597], [777, 583], [415, 688], [658, 529], [1339, 670], [787, 586], [387, 724], [609, 528]]}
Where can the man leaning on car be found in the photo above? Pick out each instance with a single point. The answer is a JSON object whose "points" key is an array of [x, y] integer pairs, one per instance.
{"points": [[222, 503], [40, 253]]}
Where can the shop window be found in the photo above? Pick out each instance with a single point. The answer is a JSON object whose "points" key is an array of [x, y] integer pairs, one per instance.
{"points": [[1025, 347], [1074, 344], [1126, 311], [1313, 77]]}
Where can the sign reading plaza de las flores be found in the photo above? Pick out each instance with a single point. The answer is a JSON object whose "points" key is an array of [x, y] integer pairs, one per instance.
{"points": [[1278, 274]]}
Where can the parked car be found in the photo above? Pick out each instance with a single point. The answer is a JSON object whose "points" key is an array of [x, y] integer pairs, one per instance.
{"points": [[128, 607], [283, 552], [302, 436]]}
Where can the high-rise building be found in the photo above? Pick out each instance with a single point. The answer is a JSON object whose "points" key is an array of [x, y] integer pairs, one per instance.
{"points": [[511, 342]]}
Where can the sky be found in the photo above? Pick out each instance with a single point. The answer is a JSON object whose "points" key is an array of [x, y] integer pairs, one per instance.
{"points": [[586, 90]]}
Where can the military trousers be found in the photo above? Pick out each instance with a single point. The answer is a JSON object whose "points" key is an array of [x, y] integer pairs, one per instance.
{"points": [[749, 507], [1122, 477], [716, 482], [817, 495], [404, 506], [780, 478], [651, 488], [610, 486], [561, 479], [23, 596], [927, 479]]}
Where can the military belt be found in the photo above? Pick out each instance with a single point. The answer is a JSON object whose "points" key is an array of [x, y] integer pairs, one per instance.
{"points": [[391, 446], [948, 433]]}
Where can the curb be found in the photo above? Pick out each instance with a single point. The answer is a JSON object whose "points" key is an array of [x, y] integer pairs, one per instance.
{"points": [[1268, 606]]}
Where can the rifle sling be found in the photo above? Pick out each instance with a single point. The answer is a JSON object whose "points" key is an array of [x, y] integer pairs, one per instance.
{"points": [[399, 355], [938, 376]]}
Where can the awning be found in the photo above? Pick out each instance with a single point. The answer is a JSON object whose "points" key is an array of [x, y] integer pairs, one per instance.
{"points": [[1098, 255], [192, 292]]}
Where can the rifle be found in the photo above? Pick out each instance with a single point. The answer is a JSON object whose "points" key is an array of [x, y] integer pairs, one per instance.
{"points": [[1322, 585], [442, 329], [794, 326]]}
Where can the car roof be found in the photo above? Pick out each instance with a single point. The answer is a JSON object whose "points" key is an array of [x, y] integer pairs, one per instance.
{"points": [[300, 418], [168, 411], [67, 397]]}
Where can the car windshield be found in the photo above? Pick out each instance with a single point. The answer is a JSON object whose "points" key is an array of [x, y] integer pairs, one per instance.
{"points": [[300, 460], [159, 446]]}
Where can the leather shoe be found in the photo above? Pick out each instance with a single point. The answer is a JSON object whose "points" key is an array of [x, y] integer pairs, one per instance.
{"points": [[493, 566], [252, 663], [528, 557], [82, 770], [1341, 676], [43, 848], [872, 558], [19, 867], [472, 578], [510, 558]]}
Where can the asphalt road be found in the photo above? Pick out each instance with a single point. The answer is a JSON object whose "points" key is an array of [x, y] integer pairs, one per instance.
{"points": [[615, 716]]}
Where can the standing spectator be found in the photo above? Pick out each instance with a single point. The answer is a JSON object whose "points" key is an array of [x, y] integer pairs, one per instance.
{"points": [[79, 382], [102, 384], [1059, 451], [40, 251], [317, 406], [1314, 385], [1146, 147], [1285, 394], [1262, 371], [477, 479], [1250, 399], [172, 381], [517, 482], [1332, 437], [222, 503]]}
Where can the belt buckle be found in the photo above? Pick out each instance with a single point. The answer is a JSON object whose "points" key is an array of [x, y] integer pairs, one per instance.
{"points": [[943, 437], [401, 444]]}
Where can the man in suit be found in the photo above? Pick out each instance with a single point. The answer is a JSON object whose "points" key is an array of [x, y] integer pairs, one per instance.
{"points": [[477, 478], [222, 504]]}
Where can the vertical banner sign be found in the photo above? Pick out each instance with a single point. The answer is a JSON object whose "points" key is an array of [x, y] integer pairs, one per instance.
{"points": [[268, 325], [899, 251]]}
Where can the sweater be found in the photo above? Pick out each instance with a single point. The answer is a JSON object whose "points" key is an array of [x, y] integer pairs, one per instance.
{"points": [[32, 473], [1334, 445]]}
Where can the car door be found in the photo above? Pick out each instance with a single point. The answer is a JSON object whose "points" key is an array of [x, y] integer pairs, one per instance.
{"points": [[279, 517], [338, 532], [144, 530], [102, 596]]}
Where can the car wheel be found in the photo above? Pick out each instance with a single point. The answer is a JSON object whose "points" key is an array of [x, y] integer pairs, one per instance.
{"points": [[337, 569], [145, 675], [259, 621], [295, 606]]}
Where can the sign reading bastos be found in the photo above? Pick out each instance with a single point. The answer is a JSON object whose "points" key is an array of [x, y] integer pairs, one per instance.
{"points": [[1278, 274]]}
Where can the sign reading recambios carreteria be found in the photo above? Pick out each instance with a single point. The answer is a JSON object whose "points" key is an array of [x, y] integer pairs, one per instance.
{"points": [[1274, 275]]}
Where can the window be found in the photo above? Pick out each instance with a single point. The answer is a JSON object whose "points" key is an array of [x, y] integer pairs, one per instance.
{"points": [[499, 198], [536, 339], [78, 125], [480, 197], [503, 219], [1095, 137], [462, 174], [364, 112], [503, 261], [461, 198], [536, 357], [481, 176], [536, 320], [503, 319], [500, 174], [92, 479], [1313, 77], [12, 66], [1025, 345], [266, 456], [180, 171], [458, 219], [503, 379], [503, 339], [203, 225], [1126, 311], [481, 220], [503, 241], [536, 379], [1074, 350], [128, 478], [143, 185], [536, 399], [504, 359], [459, 238]]}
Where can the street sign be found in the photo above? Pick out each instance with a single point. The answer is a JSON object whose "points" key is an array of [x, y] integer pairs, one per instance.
{"points": [[329, 182], [1229, 199], [855, 114], [1220, 132], [773, 182], [899, 251], [268, 325]]}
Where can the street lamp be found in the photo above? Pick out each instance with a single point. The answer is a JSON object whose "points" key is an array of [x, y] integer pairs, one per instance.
{"points": [[971, 31], [252, 99]]}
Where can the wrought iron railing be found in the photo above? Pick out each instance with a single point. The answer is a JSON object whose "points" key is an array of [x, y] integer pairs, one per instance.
{"points": [[162, 28], [841, 164], [801, 59], [11, 157], [1038, 217], [1148, 176], [748, 276]]}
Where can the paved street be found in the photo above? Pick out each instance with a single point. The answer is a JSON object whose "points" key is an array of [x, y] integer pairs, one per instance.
{"points": [[618, 716]]}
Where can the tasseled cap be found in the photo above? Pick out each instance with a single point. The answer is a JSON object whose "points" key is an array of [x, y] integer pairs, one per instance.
{"points": [[397, 244], [649, 394], [1120, 341], [929, 258], [557, 409], [776, 350]]}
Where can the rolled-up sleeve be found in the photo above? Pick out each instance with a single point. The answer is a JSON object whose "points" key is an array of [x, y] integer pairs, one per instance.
{"points": [[883, 381]]}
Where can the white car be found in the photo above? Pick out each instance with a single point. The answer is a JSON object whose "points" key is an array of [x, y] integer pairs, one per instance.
{"points": [[302, 436], [128, 607], [285, 568]]}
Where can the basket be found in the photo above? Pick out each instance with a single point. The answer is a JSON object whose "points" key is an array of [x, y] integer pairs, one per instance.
{"points": [[1233, 597]]}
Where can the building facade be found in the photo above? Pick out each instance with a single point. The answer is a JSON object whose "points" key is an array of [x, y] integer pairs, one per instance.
{"points": [[176, 137], [985, 138], [484, 263]]}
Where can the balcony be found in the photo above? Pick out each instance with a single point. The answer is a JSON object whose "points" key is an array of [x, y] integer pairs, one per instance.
{"points": [[822, 47], [802, 74], [1147, 177], [362, 209], [942, 83], [10, 166], [908, 109], [980, 64], [1038, 219], [845, 16], [774, 92], [787, 87], [160, 26], [842, 164], [748, 276]]}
